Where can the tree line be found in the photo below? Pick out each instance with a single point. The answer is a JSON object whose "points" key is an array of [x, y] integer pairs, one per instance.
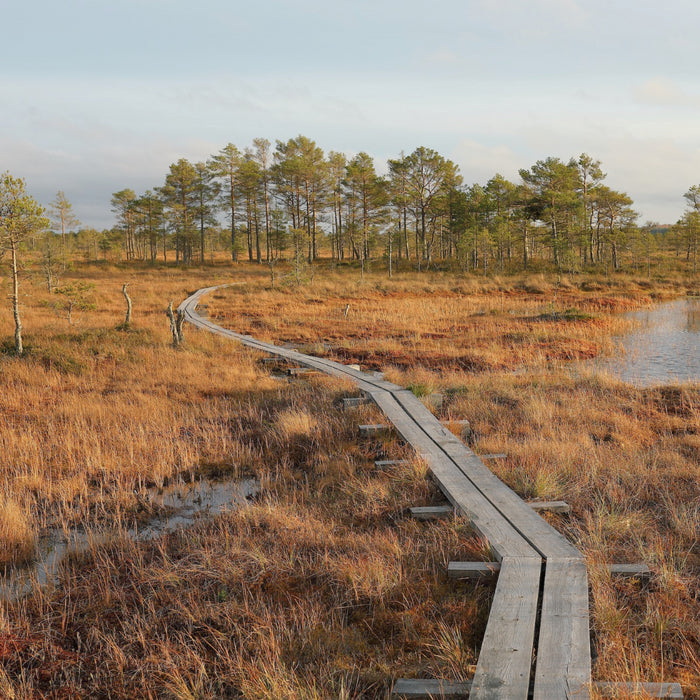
{"points": [[294, 201]]}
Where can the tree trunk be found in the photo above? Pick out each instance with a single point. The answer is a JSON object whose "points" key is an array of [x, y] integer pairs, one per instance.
{"points": [[258, 252], [19, 347], [267, 219], [175, 324], [201, 238], [127, 320]]}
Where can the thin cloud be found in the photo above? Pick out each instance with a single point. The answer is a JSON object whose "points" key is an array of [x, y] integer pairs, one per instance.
{"points": [[443, 57], [663, 91], [537, 17], [480, 162]]}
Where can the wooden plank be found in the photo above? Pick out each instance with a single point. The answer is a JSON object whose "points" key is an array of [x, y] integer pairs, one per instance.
{"points": [[432, 688], [296, 371], [542, 536], [472, 569], [431, 512], [550, 506], [484, 518], [373, 429], [385, 463], [494, 455], [563, 667], [424, 689], [354, 402], [640, 571], [647, 690], [503, 668]]}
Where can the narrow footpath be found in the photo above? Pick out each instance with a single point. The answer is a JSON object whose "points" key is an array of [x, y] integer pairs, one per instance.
{"points": [[537, 639]]}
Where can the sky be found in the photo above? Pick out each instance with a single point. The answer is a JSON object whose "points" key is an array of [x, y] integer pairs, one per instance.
{"points": [[98, 96]]}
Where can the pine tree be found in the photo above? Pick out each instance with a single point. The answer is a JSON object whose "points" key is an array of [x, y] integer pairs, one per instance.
{"points": [[20, 218]]}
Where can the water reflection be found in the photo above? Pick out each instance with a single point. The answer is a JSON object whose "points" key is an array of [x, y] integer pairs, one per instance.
{"points": [[183, 504], [665, 347]]}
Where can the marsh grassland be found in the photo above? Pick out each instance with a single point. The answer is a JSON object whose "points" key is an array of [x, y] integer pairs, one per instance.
{"points": [[323, 587]]}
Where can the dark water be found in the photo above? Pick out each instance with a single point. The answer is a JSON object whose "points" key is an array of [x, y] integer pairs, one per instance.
{"points": [[664, 348], [183, 503]]}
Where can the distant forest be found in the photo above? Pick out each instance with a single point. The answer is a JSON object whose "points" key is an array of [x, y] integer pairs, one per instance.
{"points": [[294, 202]]}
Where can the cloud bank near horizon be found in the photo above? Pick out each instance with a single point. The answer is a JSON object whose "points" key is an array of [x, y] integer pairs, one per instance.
{"points": [[108, 97]]}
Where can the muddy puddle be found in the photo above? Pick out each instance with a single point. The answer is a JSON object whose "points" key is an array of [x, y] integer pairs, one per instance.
{"points": [[178, 505]]}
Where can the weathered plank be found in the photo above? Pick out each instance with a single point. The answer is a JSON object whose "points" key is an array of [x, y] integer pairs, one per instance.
{"points": [[542, 536], [385, 463], [563, 667], [373, 429], [425, 689], [484, 518], [494, 455], [297, 371], [472, 569], [640, 571], [431, 512], [550, 506], [503, 668], [647, 690], [354, 402]]}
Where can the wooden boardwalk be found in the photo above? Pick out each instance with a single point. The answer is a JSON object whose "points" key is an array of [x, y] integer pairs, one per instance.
{"points": [[537, 636]]}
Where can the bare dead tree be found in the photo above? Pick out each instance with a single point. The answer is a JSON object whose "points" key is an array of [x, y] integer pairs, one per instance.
{"points": [[176, 322], [272, 261], [127, 320]]}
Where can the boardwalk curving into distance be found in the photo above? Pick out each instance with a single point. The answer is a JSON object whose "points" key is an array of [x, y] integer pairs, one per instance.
{"points": [[537, 637]]}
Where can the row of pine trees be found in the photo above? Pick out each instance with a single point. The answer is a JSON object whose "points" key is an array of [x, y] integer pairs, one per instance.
{"points": [[294, 201]]}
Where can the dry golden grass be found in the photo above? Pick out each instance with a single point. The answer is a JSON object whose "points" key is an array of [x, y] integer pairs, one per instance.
{"points": [[440, 322], [626, 459], [16, 533], [620, 457], [323, 588]]}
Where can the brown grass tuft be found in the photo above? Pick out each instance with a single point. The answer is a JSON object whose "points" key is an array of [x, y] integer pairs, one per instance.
{"points": [[17, 535]]}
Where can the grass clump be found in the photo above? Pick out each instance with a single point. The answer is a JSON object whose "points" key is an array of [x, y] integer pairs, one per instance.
{"points": [[17, 534]]}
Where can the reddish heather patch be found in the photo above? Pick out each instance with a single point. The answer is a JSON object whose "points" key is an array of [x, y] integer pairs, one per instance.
{"points": [[11, 645], [32, 650], [613, 303], [380, 359], [564, 349]]}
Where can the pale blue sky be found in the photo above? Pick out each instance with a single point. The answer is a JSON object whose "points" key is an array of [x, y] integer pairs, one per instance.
{"points": [[98, 96]]}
